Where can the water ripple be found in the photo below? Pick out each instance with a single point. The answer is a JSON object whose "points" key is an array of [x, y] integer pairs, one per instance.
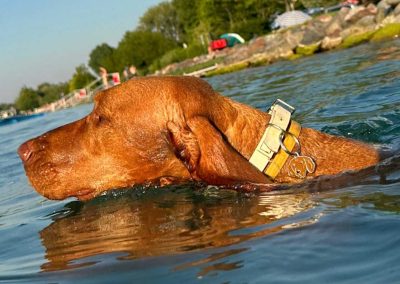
{"points": [[339, 232]]}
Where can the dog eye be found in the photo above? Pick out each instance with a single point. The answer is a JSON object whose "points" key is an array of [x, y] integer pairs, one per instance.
{"points": [[98, 119]]}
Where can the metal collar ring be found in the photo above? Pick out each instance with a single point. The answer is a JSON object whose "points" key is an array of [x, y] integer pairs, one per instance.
{"points": [[282, 136]]}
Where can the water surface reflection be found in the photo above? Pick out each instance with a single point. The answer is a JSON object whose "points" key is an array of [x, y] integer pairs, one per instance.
{"points": [[164, 222]]}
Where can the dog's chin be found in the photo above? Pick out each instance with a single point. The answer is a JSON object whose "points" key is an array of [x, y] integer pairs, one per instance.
{"points": [[47, 182], [59, 192], [56, 184]]}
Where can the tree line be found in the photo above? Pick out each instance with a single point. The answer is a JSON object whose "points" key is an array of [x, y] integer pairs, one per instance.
{"points": [[169, 32], [30, 98]]}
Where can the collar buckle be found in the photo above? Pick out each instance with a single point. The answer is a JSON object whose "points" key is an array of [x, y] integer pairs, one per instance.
{"points": [[283, 104]]}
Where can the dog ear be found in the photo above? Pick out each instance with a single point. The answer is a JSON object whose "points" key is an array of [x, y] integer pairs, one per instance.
{"points": [[209, 157], [185, 145]]}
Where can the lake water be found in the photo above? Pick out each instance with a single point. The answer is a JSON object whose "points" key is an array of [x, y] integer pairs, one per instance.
{"points": [[336, 232]]}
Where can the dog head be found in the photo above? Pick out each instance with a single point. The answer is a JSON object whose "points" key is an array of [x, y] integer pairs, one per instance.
{"points": [[122, 142]]}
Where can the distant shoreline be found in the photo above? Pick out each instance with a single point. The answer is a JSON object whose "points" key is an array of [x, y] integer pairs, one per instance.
{"points": [[334, 31], [344, 29]]}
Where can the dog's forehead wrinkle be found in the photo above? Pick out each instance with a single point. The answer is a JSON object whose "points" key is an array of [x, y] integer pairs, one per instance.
{"points": [[156, 153]]}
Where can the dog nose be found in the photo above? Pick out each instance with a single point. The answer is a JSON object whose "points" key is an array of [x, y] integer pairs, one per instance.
{"points": [[25, 151]]}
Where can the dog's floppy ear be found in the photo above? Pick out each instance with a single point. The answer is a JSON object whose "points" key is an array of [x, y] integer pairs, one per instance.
{"points": [[208, 156], [185, 145]]}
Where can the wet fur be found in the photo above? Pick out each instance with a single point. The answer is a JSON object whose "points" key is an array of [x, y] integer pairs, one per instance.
{"points": [[166, 130]]}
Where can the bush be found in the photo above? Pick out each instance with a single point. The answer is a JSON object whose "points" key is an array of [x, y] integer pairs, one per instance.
{"points": [[81, 78], [177, 55], [28, 99], [196, 67], [5, 106], [141, 49], [251, 28]]}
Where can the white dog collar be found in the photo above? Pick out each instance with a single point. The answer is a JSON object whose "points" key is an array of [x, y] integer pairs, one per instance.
{"points": [[268, 149]]}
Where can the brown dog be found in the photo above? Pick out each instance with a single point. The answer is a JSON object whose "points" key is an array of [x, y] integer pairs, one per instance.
{"points": [[162, 130]]}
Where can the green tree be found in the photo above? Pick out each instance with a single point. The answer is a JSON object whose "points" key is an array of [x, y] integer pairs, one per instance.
{"points": [[51, 92], [252, 17], [141, 48], [80, 78], [102, 56], [28, 99], [5, 106], [162, 18], [187, 16], [211, 18]]}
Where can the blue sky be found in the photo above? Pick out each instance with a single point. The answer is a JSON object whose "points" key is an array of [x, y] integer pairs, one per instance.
{"points": [[44, 40]]}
